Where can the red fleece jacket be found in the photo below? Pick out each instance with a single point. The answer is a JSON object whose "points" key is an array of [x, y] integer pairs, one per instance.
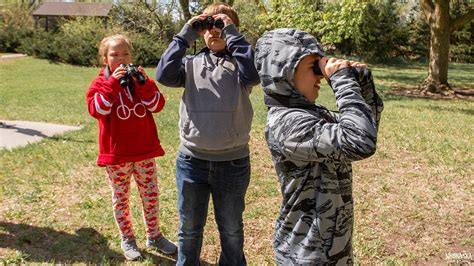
{"points": [[127, 131]]}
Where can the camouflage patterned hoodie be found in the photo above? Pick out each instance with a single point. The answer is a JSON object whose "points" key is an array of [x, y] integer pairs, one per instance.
{"points": [[312, 150]]}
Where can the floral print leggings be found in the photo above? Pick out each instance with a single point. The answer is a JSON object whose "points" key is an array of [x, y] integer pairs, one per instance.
{"points": [[147, 183]]}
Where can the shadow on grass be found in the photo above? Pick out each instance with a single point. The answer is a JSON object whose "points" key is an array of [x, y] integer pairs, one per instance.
{"points": [[452, 109], [42, 244], [63, 138]]}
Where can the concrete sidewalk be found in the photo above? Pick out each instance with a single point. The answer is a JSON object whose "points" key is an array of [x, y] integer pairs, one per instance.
{"points": [[20, 133]]}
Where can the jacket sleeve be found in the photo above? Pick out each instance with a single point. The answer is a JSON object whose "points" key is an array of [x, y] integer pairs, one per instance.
{"points": [[151, 96], [305, 137], [371, 97], [100, 97], [243, 53], [171, 70]]}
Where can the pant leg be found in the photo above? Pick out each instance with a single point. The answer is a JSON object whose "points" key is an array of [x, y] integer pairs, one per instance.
{"points": [[193, 201], [119, 181], [228, 188], [147, 183]]}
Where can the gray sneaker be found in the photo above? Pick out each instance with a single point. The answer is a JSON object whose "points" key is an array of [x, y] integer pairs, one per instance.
{"points": [[130, 249], [162, 244]]}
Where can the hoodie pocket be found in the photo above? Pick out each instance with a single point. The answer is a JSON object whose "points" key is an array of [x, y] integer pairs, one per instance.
{"points": [[208, 131]]}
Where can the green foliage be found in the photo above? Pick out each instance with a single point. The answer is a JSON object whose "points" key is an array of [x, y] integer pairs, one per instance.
{"points": [[16, 24], [341, 25], [418, 43], [78, 40], [381, 35], [367, 29], [147, 49], [41, 44], [248, 13], [141, 17], [461, 49], [292, 14]]}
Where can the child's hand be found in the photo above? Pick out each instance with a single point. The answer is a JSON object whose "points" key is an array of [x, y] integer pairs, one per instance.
{"points": [[119, 72], [197, 18], [330, 65], [227, 21], [140, 68], [357, 64]]}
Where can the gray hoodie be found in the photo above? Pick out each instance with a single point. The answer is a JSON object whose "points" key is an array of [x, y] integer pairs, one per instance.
{"points": [[215, 110], [312, 150]]}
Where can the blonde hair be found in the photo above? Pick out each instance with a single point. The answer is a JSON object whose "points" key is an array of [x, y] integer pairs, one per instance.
{"points": [[222, 8], [104, 44]]}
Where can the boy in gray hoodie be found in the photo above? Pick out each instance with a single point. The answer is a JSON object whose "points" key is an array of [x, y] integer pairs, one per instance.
{"points": [[312, 148], [215, 121]]}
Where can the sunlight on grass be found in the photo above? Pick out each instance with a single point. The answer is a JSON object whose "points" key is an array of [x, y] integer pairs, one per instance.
{"points": [[411, 199]]}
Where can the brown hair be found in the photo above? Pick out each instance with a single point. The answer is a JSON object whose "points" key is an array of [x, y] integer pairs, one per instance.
{"points": [[104, 44], [222, 8]]}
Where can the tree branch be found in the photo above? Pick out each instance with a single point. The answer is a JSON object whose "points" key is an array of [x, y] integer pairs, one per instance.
{"points": [[261, 6], [462, 20], [428, 9], [185, 8]]}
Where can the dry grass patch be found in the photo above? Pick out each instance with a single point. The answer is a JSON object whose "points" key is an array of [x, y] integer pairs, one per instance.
{"points": [[407, 210]]}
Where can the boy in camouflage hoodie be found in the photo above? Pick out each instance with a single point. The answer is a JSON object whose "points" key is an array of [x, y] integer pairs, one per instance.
{"points": [[312, 148]]}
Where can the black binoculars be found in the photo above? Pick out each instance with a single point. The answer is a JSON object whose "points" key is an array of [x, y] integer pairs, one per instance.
{"points": [[208, 23], [132, 72]]}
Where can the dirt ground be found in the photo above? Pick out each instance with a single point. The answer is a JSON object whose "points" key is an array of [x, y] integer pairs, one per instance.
{"points": [[458, 93]]}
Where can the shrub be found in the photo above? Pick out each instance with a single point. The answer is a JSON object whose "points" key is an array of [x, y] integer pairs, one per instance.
{"points": [[77, 41], [41, 44], [16, 24], [147, 49], [461, 49]]}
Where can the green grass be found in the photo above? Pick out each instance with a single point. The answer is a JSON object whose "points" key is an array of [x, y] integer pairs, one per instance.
{"points": [[413, 199]]}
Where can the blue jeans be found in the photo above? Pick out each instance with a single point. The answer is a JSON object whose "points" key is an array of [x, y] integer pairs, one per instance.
{"points": [[227, 182]]}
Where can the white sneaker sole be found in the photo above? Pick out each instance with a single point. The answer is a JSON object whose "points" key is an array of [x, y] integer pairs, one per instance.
{"points": [[130, 258]]}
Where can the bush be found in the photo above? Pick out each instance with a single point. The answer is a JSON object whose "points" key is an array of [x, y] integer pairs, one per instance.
{"points": [[142, 17], [461, 49], [363, 29], [41, 44], [77, 41], [16, 24], [418, 44], [147, 50]]}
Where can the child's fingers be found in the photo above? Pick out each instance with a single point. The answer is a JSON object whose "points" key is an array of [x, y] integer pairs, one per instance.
{"points": [[119, 72], [223, 17], [140, 68], [194, 19], [334, 64], [191, 20], [357, 64]]}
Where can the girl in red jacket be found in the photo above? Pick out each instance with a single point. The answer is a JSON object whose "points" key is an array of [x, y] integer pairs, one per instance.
{"points": [[128, 140]]}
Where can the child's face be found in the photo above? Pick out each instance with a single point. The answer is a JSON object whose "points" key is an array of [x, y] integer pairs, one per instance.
{"points": [[213, 40], [117, 53], [306, 82]]}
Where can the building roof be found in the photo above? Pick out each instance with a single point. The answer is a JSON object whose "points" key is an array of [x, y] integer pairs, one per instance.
{"points": [[73, 9]]}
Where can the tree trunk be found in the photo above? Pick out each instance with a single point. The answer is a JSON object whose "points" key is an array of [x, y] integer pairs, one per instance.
{"points": [[439, 21]]}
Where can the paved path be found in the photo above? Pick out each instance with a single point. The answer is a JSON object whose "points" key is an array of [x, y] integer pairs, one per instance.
{"points": [[19, 133], [12, 55]]}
